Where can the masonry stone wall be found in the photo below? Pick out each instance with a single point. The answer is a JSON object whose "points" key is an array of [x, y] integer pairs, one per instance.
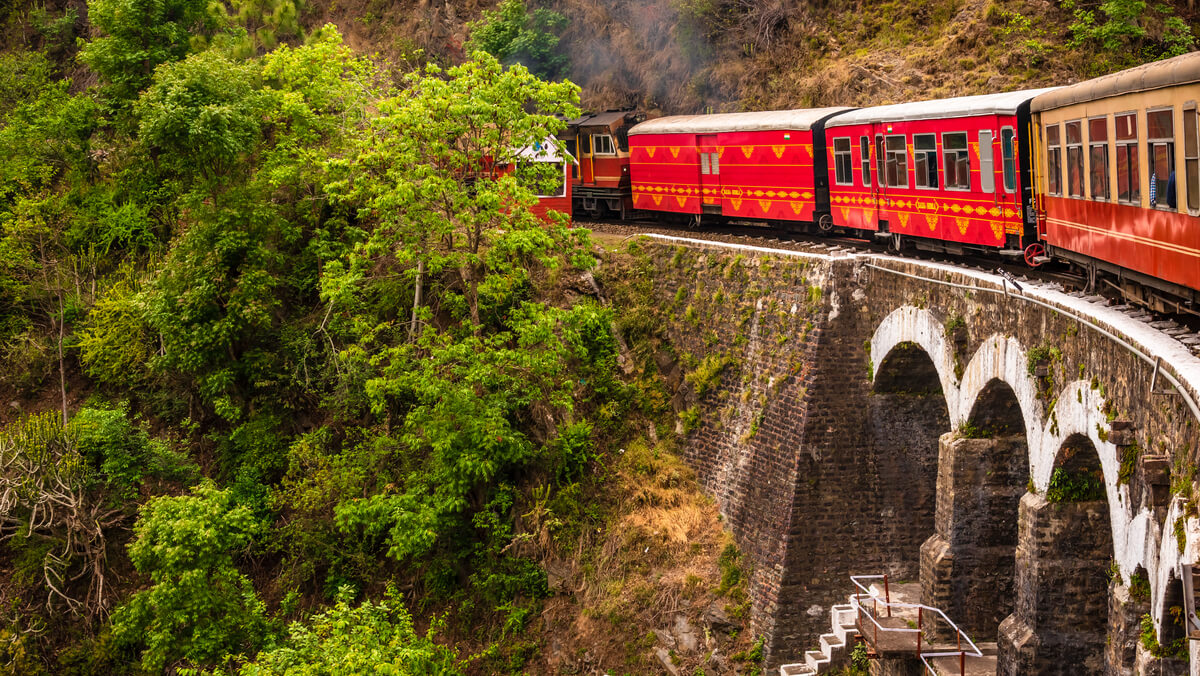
{"points": [[824, 468]]}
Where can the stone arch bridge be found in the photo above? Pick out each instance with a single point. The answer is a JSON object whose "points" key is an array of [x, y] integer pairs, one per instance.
{"points": [[1028, 456]]}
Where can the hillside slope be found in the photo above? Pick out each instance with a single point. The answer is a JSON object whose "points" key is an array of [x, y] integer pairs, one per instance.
{"points": [[681, 56]]}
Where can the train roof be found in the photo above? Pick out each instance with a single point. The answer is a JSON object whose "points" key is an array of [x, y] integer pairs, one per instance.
{"points": [[798, 120], [605, 119], [1179, 70], [1005, 103]]}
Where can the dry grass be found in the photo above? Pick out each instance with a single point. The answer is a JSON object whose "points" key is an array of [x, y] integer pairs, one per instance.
{"points": [[656, 558]]}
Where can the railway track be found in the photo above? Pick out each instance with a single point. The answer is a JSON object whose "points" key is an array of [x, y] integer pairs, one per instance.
{"points": [[1183, 328]]}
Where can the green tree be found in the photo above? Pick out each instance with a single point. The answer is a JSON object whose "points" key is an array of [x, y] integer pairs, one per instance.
{"points": [[1129, 33], [490, 380], [249, 140], [199, 607], [374, 638], [513, 34], [139, 35]]}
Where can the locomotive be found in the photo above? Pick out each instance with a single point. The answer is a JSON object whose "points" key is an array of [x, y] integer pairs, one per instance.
{"points": [[1103, 175]]}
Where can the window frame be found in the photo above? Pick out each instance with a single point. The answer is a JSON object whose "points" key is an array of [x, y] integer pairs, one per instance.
{"points": [[1126, 144], [864, 148], [1054, 158], [1012, 145], [1191, 159], [901, 162], [946, 150], [880, 161], [1160, 204], [838, 157], [923, 153], [1081, 166], [612, 143], [1092, 145], [987, 179], [562, 175]]}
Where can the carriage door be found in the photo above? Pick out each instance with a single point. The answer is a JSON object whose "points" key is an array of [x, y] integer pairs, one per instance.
{"points": [[710, 173], [879, 187], [586, 163]]}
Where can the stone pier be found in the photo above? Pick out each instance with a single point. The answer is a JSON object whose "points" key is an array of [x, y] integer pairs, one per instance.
{"points": [[1060, 622], [967, 564]]}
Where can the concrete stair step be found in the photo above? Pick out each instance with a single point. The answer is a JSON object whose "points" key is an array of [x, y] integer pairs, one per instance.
{"points": [[830, 644], [796, 670], [816, 660]]}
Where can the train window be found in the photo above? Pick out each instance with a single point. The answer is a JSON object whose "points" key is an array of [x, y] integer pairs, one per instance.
{"points": [[1053, 160], [1098, 157], [843, 164], [1074, 132], [1160, 134], [1191, 157], [956, 160], [585, 145], [987, 162], [864, 151], [1008, 153], [925, 162], [603, 144], [1129, 176], [897, 162], [623, 139], [704, 164]]}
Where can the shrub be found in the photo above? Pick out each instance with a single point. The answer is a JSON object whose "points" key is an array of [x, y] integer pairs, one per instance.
{"points": [[200, 606], [372, 637]]}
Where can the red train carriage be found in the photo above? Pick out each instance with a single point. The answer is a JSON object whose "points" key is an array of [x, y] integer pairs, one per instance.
{"points": [[557, 197], [1119, 179], [600, 144], [739, 165], [950, 174]]}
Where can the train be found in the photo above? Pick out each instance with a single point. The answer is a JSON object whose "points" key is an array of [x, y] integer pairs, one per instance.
{"points": [[1102, 176]]}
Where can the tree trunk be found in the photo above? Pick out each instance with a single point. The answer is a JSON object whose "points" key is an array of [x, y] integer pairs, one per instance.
{"points": [[418, 298], [62, 375]]}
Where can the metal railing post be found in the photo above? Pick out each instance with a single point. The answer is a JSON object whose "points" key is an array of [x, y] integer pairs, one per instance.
{"points": [[887, 595], [919, 615], [962, 657]]}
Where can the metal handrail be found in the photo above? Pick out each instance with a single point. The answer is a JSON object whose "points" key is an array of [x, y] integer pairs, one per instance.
{"points": [[888, 604]]}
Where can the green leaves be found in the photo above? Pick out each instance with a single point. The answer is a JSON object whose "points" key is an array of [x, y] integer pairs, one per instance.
{"points": [[139, 35], [201, 114], [200, 607], [514, 35], [376, 638]]}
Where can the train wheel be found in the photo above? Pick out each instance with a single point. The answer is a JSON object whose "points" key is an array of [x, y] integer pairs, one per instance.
{"points": [[1033, 252]]}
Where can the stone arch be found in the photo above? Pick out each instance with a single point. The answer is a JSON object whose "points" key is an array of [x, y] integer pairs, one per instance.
{"points": [[1002, 359], [919, 327], [909, 409], [1079, 413], [997, 412]]}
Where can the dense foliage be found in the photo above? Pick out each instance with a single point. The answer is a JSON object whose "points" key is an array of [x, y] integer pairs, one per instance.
{"points": [[316, 282]]}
